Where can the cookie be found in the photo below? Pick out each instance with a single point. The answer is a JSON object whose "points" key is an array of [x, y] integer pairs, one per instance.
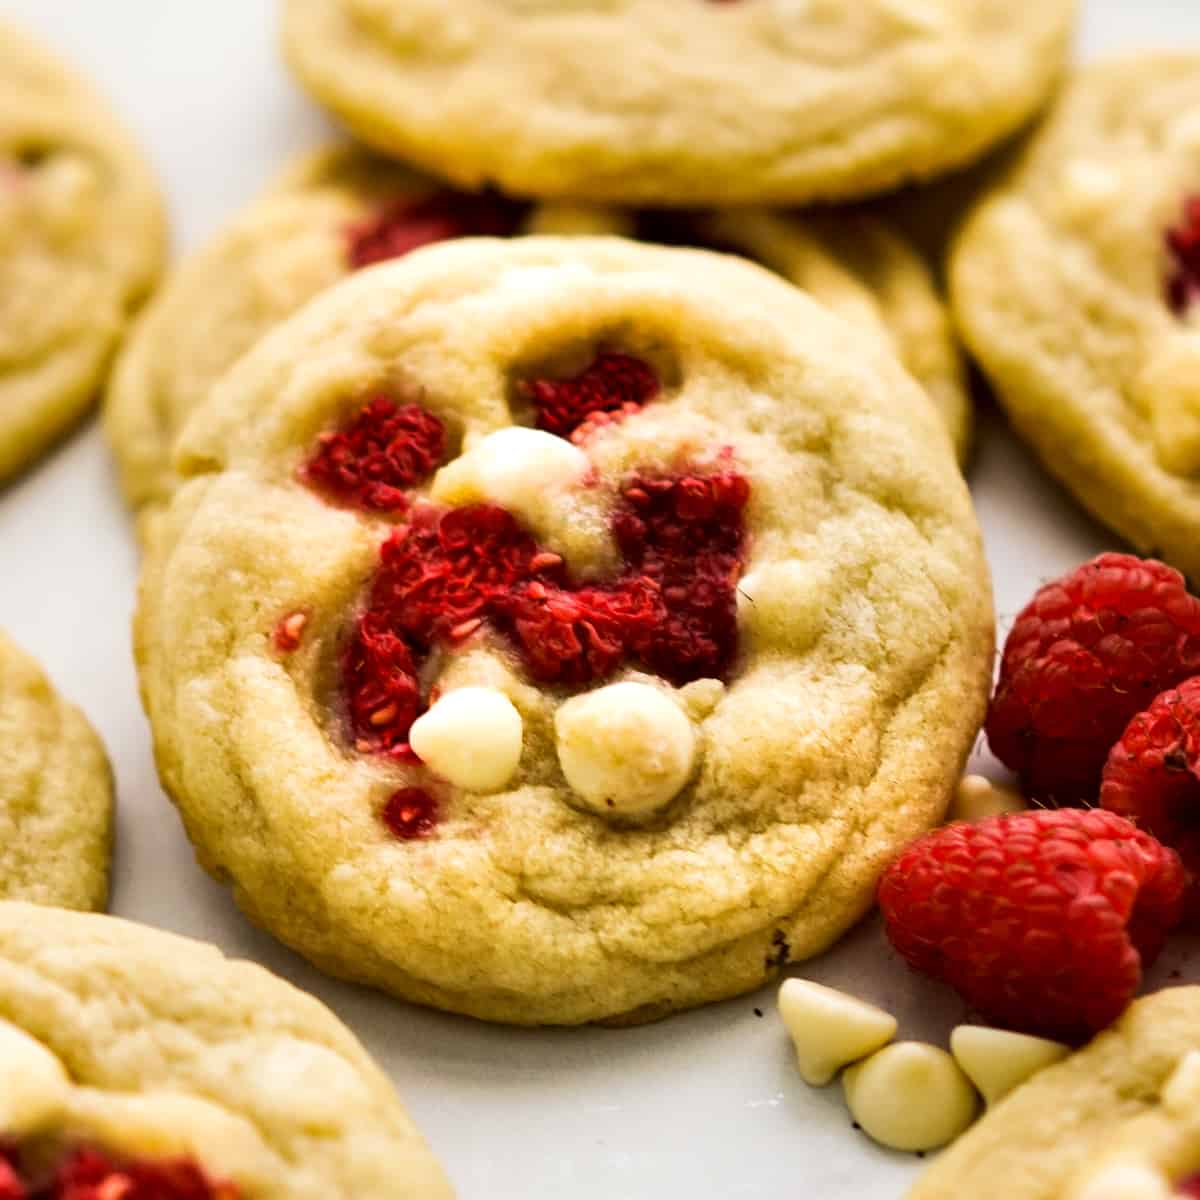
{"points": [[81, 242], [562, 630], [343, 208], [1075, 285], [703, 102], [56, 795], [331, 213], [134, 1062], [1128, 1105]]}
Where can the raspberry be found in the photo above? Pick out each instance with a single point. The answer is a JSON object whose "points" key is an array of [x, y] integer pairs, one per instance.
{"points": [[613, 384], [383, 450], [1189, 1187], [11, 1187], [1042, 921], [411, 814], [1183, 243], [90, 1175], [408, 223], [1092, 649], [1153, 777]]}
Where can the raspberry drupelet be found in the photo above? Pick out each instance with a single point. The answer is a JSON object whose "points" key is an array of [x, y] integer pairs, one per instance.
{"points": [[611, 386], [1041, 921], [1183, 244], [1090, 651]]}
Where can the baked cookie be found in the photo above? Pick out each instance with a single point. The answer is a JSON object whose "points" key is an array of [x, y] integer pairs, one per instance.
{"points": [[56, 796], [81, 242], [1074, 284], [701, 102], [1120, 1120], [330, 214], [560, 630], [134, 1063]]}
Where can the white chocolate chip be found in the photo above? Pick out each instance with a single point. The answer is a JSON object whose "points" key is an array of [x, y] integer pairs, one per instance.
{"points": [[1181, 1094], [33, 1084], [996, 1061], [1124, 1181], [1089, 187], [830, 1029], [472, 738], [910, 1096], [701, 697], [1168, 389], [784, 603], [522, 470], [977, 797], [626, 749]]}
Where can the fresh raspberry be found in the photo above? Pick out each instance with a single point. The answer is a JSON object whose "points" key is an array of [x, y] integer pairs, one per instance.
{"points": [[1183, 242], [409, 223], [1042, 921], [1092, 649], [1153, 777], [612, 384], [411, 814], [381, 452]]}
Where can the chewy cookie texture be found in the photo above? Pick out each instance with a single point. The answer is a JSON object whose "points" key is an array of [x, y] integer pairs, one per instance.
{"points": [[818, 685], [137, 1063], [81, 241]]}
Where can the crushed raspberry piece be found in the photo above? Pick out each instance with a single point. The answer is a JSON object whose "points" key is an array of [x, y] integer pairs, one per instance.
{"points": [[88, 1174], [1153, 777], [1090, 651], [1041, 921], [1183, 242], [411, 814], [613, 384], [290, 632], [382, 451], [442, 576], [412, 222]]}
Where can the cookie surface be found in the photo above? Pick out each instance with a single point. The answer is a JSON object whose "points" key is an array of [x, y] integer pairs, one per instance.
{"points": [[160, 1059], [1074, 284], [56, 796], [634, 101], [310, 230], [750, 517], [81, 242], [1130, 1101]]}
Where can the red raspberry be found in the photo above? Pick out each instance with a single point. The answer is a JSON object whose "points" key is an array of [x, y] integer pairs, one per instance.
{"points": [[1090, 651], [1042, 921], [1183, 242], [90, 1175], [1153, 777], [1189, 1187], [11, 1187], [409, 223], [411, 814], [613, 384]]}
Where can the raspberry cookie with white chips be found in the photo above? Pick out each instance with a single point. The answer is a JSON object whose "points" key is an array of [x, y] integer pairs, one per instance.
{"points": [[561, 630], [1076, 284], [81, 242], [143, 1066]]}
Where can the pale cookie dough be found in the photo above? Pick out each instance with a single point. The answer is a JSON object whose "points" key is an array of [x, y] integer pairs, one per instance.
{"points": [[81, 243], [146, 1047], [56, 795], [1063, 284], [1128, 1102], [840, 733], [294, 241], [689, 102]]}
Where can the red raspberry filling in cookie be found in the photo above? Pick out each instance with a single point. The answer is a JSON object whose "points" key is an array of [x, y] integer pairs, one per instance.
{"points": [[441, 577], [384, 450], [1183, 242], [90, 1175], [411, 814], [613, 385], [410, 223]]}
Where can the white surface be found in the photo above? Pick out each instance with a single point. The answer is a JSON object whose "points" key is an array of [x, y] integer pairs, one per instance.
{"points": [[705, 1104]]}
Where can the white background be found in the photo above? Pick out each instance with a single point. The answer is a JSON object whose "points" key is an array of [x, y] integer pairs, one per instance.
{"points": [[705, 1104]]}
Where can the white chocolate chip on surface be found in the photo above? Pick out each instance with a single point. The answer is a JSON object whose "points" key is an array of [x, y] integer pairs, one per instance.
{"points": [[626, 749], [472, 738], [996, 1061], [1124, 1181], [830, 1029], [33, 1084], [783, 603], [977, 797], [910, 1096]]}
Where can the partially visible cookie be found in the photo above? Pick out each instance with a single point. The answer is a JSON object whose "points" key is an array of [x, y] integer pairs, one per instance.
{"points": [[690, 102], [1076, 285], [81, 242], [56, 796], [1125, 1107], [137, 1063]]}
